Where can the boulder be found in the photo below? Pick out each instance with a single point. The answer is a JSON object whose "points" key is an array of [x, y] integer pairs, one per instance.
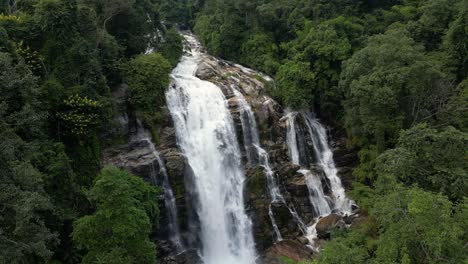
{"points": [[189, 256], [328, 223], [205, 71], [287, 248], [136, 156], [289, 170]]}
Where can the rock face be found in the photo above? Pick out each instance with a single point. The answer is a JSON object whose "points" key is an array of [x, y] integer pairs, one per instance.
{"points": [[137, 156], [291, 249], [326, 224]]}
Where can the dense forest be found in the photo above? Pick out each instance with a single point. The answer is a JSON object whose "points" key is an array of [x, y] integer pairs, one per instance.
{"points": [[392, 75]]}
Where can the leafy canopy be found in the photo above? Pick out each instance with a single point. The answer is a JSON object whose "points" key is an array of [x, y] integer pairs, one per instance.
{"points": [[119, 229]]}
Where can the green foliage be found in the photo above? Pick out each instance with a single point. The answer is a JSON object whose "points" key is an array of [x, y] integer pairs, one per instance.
{"points": [[350, 248], [260, 52], [435, 17], [294, 84], [59, 60], [26, 207], [417, 226], [119, 229], [56, 18], [172, 46], [456, 41], [367, 158], [455, 113], [386, 86], [147, 77], [325, 47], [435, 160], [79, 115], [18, 87]]}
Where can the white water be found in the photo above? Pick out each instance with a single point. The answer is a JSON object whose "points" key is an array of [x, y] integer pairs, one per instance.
{"points": [[250, 133], [249, 130], [252, 147], [169, 201], [325, 161], [316, 196], [291, 140], [205, 133], [324, 155]]}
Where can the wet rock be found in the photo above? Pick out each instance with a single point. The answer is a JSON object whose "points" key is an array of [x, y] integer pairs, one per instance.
{"points": [[258, 200], [187, 257], [175, 164], [303, 240], [205, 71], [137, 157], [328, 223], [168, 138], [287, 248], [289, 170], [358, 220]]}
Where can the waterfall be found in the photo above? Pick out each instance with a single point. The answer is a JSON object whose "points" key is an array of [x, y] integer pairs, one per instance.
{"points": [[325, 160], [251, 141], [169, 200], [252, 148], [322, 204], [316, 196], [206, 135], [291, 140], [143, 135], [249, 130]]}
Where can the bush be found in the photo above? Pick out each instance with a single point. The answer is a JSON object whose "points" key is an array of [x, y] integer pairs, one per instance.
{"points": [[118, 232], [147, 77]]}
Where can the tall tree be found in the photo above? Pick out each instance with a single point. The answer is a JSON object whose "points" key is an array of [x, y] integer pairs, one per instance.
{"points": [[118, 232]]}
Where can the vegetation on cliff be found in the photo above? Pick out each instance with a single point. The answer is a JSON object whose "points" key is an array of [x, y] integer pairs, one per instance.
{"points": [[392, 74], [60, 60]]}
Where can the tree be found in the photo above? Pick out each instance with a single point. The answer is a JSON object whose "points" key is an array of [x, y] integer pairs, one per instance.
{"points": [[433, 22], [147, 77], [19, 100], [324, 47], [111, 8], [433, 159], [294, 84], [118, 232], [418, 227], [171, 47], [25, 207], [456, 41], [260, 52], [387, 86]]}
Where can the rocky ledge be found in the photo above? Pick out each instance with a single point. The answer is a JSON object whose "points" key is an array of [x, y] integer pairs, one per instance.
{"points": [[138, 157]]}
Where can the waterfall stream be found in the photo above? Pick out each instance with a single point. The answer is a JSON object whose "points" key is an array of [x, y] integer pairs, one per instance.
{"points": [[174, 235], [324, 155], [252, 142], [252, 148], [322, 204], [206, 135], [169, 200]]}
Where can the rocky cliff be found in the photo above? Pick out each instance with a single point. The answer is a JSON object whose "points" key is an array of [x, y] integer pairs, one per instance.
{"points": [[138, 157]]}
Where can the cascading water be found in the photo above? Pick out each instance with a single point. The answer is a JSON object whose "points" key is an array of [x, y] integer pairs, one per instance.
{"points": [[252, 142], [169, 200], [143, 135], [316, 196], [252, 148], [325, 162], [205, 134]]}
